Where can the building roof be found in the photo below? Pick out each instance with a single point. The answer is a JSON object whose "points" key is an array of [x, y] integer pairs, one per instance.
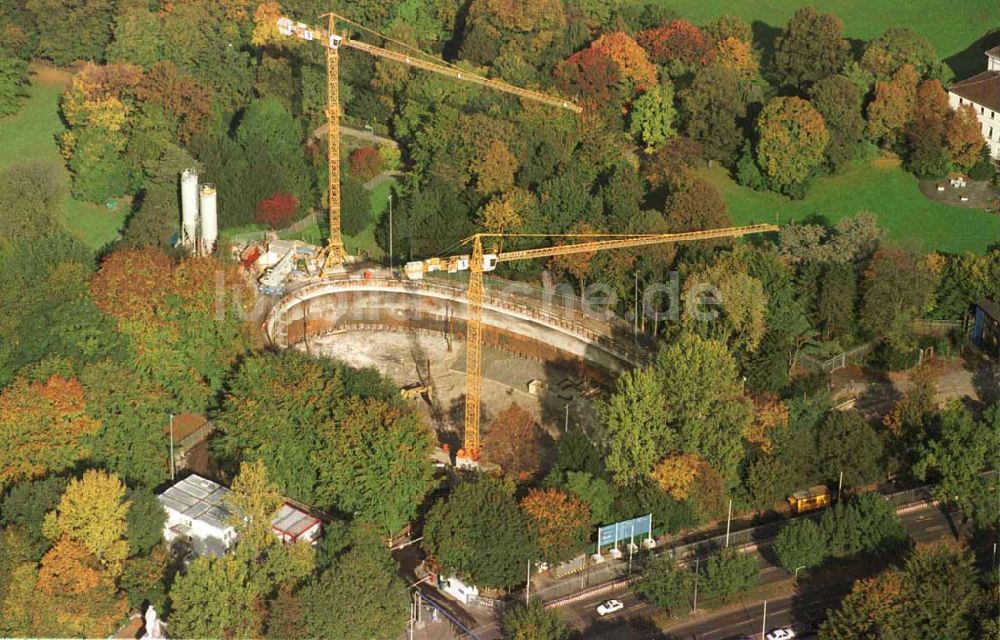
{"points": [[293, 522], [994, 52], [982, 88], [989, 307], [199, 499]]}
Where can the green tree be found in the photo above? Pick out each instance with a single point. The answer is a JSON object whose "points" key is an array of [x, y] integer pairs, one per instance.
{"points": [[715, 106], [356, 207], [138, 35], [76, 30], [465, 531], [900, 46], [25, 506], [132, 410], [375, 463], [847, 443], [810, 48], [865, 524], [214, 598], [793, 137], [666, 584], [335, 606], [13, 78], [652, 117], [895, 289], [99, 170], [533, 621], [596, 492], [957, 457], [837, 300], [839, 102], [634, 419], [800, 543], [145, 519], [729, 573]]}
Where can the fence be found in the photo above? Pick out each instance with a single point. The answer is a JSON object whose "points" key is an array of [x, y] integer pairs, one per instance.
{"points": [[838, 361]]}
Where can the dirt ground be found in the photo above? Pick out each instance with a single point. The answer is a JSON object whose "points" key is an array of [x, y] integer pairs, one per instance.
{"points": [[432, 359]]}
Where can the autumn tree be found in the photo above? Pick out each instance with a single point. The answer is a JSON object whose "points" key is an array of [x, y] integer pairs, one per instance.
{"points": [[92, 513], [277, 211], [696, 204], [891, 106], [495, 168], [184, 100], [652, 117], [513, 441], [75, 593], [734, 299], [44, 426], [793, 138], [589, 75], [739, 56], [560, 523], [810, 48], [632, 61], [679, 45], [839, 102], [365, 163], [933, 594], [925, 133], [963, 136], [479, 517]]}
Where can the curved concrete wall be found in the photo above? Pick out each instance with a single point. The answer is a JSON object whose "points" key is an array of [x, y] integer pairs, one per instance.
{"points": [[510, 324]]}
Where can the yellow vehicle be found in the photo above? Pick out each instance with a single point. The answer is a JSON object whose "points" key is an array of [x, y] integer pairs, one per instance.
{"points": [[417, 390], [812, 498]]}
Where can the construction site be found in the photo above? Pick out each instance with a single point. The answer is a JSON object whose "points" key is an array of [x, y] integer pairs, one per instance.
{"points": [[463, 344]]}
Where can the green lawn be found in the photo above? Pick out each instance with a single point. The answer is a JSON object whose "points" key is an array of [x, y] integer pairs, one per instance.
{"points": [[952, 27], [881, 188], [31, 136]]}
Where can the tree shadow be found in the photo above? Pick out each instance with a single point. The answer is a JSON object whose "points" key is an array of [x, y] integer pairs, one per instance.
{"points": [[970, 61]]}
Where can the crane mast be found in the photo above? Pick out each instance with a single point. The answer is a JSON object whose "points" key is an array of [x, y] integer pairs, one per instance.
{"points": [[480, 262], [334, 253]]}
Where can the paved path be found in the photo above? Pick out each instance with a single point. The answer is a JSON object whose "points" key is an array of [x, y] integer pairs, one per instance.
{"points": [[370, 136]]}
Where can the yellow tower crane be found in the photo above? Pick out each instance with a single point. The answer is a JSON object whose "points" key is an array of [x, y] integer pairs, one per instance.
{"points": [[480, 262], [334, 252]]}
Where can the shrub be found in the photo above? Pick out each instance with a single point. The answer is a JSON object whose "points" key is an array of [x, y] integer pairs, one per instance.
{"points": [[800, 543], [390, 156], [277, 211], [365, 163]]}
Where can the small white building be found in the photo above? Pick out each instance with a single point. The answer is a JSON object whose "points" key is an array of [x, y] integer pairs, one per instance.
{"points": [[197, 510], [982, 91]]}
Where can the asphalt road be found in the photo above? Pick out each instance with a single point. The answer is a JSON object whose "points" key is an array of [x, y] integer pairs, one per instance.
{"points": [[924, 524]]}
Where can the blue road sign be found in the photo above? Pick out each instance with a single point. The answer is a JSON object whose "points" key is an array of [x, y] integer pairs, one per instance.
{"points": [[624, 530]]}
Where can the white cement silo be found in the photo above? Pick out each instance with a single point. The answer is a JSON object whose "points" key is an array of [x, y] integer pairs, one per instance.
{"points": [[189, 208], [209, 219]]}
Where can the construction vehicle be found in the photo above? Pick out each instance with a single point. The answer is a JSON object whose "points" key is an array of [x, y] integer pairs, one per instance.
{"points": [[478, 262], [810, 499], [417, 390], [334, 253]]}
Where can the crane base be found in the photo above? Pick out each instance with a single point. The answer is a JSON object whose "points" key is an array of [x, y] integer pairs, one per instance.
{"points": [[465, 462]]}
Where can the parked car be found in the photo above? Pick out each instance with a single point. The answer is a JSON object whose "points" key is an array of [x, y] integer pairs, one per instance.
{"points": [[609, 606], [785, 633]]}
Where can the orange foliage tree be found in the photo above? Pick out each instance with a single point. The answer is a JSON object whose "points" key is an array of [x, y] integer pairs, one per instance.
{"points": [[76, 596], [495, 168], [43, 427], [513, 441], [676, 474], [737, 55], [679, 42], [890, 109], [964, 136], [632, 61], [589, 75], [769, 412], [561, 522], [180, 95]]}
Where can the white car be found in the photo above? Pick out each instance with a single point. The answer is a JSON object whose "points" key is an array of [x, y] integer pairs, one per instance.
{"points": [[609, 606], [781, 634]]}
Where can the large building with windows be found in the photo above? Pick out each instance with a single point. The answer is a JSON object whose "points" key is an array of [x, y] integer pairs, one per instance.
{"points": [[982, 91]]}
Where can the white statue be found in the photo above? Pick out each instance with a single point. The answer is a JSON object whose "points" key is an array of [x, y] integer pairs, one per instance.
{"points": [[154, 628]]}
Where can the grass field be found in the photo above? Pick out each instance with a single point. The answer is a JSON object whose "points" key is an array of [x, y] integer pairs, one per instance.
{"points": [[881, 188], [30, 136], [952, 27]]}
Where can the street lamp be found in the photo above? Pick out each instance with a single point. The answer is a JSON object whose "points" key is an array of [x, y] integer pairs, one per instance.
{"points": [[797, 572], [390, 234]]}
